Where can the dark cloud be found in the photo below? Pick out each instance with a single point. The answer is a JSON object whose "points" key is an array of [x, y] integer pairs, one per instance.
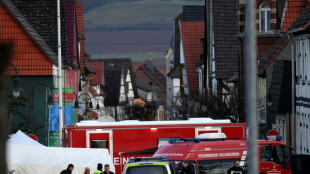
{"points": [[133, 14]]}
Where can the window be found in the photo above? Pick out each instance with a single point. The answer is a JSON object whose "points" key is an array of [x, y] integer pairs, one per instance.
{"points": [[176, 166], [216, 166], [264, 17], [273, 153], [99, 144], [150, 169]]}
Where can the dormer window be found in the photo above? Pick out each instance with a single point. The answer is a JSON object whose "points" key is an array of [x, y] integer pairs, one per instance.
{"points": [[264, 17], [171, 64]]}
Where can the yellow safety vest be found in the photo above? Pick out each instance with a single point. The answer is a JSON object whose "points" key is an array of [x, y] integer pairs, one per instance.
{"points": [[98, 172]]}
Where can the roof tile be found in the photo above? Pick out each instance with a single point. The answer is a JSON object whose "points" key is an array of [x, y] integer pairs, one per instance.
{"points": [[98, 66], [31, 55], [157, 75], [192, 32], [42, 16], [113, 69], [293, 9], [80, 29], [225, 32]]}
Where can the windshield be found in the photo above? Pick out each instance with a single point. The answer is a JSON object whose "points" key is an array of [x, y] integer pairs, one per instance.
{"points": [[147, 170], [273, 153], [215, 166]]}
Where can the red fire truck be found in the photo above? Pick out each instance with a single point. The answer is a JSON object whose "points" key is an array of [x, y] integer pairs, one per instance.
{"points": [[217, 156], [127, 139]]}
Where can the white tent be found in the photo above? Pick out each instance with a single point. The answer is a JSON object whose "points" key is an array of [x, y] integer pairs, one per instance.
{"points": [[20, 138], [28, 159]]}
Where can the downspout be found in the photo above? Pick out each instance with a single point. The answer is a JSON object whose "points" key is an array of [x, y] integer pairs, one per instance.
{"points": [[292, 118], [210, 42], [205, 61], [212, 54]]}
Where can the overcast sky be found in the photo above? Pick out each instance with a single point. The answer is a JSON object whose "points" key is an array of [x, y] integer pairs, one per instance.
{"points": [[135, 26]]}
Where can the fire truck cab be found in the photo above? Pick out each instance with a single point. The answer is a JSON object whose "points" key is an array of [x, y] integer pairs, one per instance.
{"points": [[216, 155]]}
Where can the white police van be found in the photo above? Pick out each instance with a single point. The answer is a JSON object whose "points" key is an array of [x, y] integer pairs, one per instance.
{"points": [[147, 165]]}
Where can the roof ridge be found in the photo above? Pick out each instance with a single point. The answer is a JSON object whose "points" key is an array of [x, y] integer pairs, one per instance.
{"points": [[33, 34]]}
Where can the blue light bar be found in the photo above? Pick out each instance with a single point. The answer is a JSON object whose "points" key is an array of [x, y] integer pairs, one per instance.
{"points": [[164, 158], [279, 138], [174, 140], [192, 139], [132, 160], [179, 140]]}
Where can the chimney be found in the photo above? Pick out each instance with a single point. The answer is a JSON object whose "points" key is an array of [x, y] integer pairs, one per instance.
{"points": [[149, 64]]}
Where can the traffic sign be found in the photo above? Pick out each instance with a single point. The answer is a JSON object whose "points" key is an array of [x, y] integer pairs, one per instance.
{"points": [[35, 138]]}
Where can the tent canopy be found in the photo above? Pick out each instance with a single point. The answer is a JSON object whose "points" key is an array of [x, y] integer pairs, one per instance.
{"points": [[20, 138], [36, 158]]}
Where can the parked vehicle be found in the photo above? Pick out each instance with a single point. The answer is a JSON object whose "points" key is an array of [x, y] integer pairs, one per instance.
{"points": [[127, 139], [147, 165], [211, 155]]}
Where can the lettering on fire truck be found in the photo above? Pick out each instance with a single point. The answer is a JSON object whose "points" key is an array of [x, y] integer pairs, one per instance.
{"points": [[215, 155], [170, 154]]}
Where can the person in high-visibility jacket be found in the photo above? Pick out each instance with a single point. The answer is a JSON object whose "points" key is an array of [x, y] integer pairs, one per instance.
{"points": [[99, 169]]}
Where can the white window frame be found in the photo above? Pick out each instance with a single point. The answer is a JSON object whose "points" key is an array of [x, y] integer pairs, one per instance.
{"points": [[265, 11]]}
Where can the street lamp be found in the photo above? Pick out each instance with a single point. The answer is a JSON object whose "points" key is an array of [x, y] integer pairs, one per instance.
{"points": [[50, 101], [16, 87], [97, 106], [16, 83], [76, 103]]}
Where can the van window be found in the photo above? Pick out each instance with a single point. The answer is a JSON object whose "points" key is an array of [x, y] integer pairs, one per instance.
{"points": [[219, 166], [273, 153], [147, 170]]}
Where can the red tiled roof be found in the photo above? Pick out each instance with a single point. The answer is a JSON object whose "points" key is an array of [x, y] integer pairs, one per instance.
{"points": [[93, 91], [192, 32], [293, 10], [162, 71], [27, 56], [137, 64], [96, 79], [80, 29], [102, 92]]}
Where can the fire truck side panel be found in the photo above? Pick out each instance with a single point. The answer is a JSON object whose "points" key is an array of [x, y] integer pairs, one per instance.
{"points": [[234, 132], [131, 140], [78, 138]]}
